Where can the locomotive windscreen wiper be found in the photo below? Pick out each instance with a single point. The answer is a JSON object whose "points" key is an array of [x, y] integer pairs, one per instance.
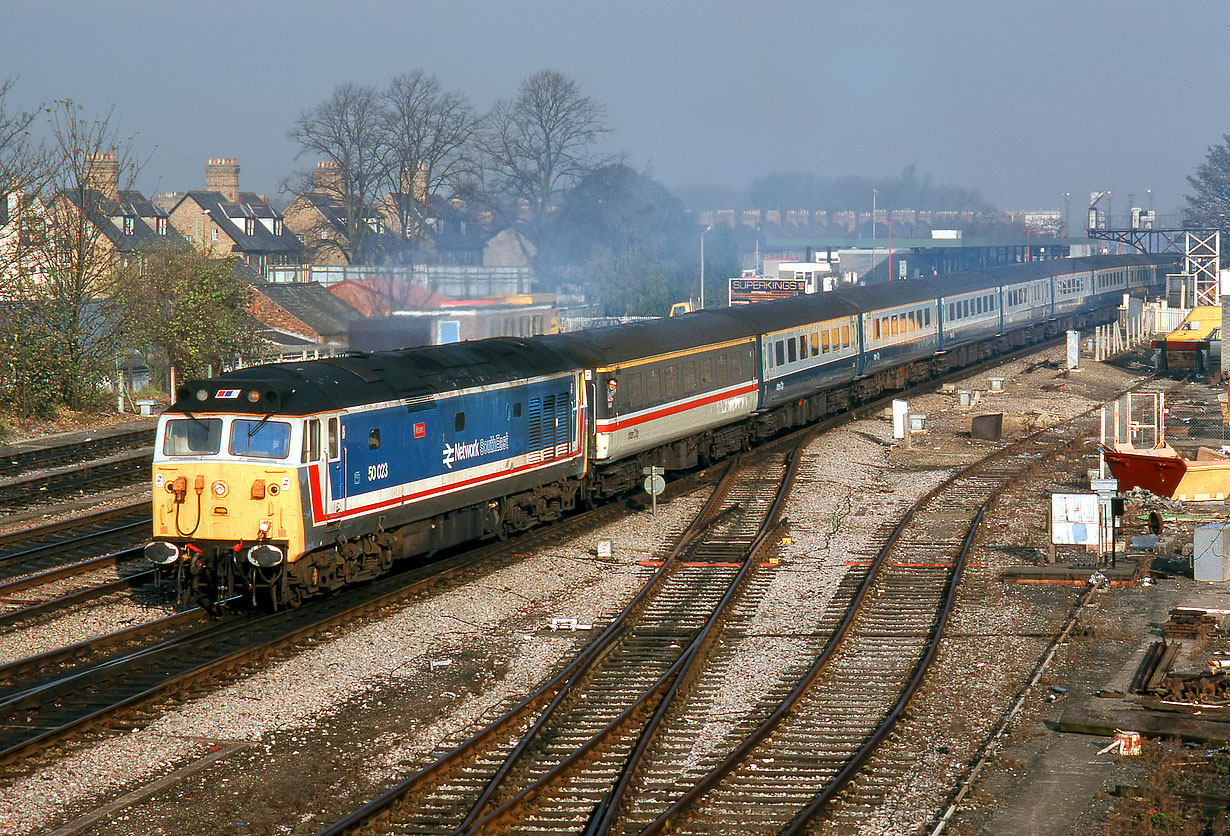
{"points": [[254, 430]]}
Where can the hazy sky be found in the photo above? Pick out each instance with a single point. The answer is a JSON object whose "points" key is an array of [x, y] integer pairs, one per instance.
{"points": [[1021, 100]]}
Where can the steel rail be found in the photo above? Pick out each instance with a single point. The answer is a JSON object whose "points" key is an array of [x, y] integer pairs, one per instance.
{"points": [[544, 698], [672, 681]]}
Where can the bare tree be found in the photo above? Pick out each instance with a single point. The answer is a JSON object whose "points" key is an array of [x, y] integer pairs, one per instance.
{"points": [[537, 145], [92, 166], [345, 130], [22, 173], [429, 136]]}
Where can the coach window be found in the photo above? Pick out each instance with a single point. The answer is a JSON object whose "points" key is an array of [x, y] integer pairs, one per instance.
{"points": [[824, 341], [633, 390], [459, 421], [689, 376], [736, 364], [815, 343], [910, 320], [653, 386], [335, 450], [845, 336], [723, 369], [311, 441], [373, 439], [706, 371], [779, 352], [671, 384], [792, 353], [895, 329]]}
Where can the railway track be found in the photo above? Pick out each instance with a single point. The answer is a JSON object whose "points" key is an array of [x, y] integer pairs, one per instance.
{"points": [[819, 735], [548, 763], [55, 567], [70, 541], [15, 461], [119, 470], [56, 696], [839, 692]]}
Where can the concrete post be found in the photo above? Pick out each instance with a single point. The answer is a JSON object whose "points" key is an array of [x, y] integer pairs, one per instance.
{"points": [[1074, 349]]}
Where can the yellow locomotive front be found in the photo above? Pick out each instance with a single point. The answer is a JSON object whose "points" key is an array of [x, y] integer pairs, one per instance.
{"points": [[227, 509]]}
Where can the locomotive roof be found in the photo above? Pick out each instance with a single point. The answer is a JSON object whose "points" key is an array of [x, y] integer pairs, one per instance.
{"points": [[307, 387]]}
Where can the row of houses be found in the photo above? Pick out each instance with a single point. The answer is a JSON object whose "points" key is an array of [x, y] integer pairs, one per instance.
{"points": [[308, 301]]}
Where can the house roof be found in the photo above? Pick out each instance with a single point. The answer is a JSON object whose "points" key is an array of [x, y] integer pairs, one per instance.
{"points": [[378, 297], [333, 211], [108, 215], [231, 218], [313, 304]]}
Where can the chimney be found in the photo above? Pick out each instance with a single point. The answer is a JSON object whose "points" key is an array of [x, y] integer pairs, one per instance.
{"points": [[414, 183], [327, 179], [102, 172], [222, 175]]}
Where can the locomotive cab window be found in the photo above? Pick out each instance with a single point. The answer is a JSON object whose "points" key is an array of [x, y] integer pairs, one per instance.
{"points": [[260, 438], [373, 439], [311, 440], [192, 437]]}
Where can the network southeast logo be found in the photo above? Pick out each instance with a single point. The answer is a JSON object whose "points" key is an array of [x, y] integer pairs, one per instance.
{"points": [[456, 453]]}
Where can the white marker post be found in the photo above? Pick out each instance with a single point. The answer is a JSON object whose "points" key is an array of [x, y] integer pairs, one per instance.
{"points": [[654, 484]]}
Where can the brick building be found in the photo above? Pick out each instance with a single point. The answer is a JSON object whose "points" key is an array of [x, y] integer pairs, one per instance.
{"points": [[318, 218], [224, 221]]}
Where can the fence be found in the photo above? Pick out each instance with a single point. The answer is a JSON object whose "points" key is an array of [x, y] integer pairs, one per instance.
{"points": [[1136, 326]]}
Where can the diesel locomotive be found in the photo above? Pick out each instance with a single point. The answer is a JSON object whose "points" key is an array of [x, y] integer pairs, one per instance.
{"points": [[275, 483]]}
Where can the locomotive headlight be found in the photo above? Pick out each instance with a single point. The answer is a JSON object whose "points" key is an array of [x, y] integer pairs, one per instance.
{"points": [[254, 395], [264, 527], [265, 556], [220, 489], [161, 552]]}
